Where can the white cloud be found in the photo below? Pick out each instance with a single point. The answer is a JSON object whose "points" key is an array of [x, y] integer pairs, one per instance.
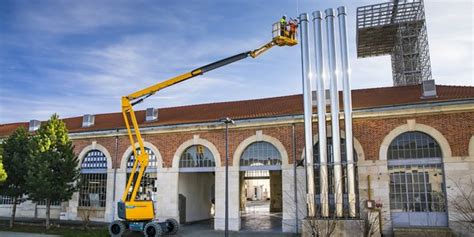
{"points": [[138, 47], [450, 34]]}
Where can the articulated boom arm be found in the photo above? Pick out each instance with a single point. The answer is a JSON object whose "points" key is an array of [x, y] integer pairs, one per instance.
{"points": [[130, 119], [255, 53], [130, 100]]}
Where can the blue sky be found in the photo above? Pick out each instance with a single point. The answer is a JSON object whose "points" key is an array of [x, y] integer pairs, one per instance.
{"points": [[78, 57]]}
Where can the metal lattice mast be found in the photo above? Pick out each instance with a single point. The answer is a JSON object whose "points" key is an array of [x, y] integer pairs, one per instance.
{"points": [[397, 28]]}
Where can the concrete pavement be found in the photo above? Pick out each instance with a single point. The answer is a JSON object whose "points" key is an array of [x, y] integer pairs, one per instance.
{"points": [[205, 229], [256, 221]]}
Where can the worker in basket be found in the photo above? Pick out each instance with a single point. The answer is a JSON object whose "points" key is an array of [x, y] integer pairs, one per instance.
{"points": [[293, 27], [283, 25]]}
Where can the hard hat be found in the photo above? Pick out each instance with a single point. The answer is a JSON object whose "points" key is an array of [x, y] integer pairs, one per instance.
{"points": [[284, 16]]}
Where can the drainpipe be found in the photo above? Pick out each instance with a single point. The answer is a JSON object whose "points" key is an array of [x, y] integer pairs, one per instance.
{"points": [[293, 138]]}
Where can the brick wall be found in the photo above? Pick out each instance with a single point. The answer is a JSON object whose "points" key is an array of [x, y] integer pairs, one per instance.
{"points": [[457, 129]]}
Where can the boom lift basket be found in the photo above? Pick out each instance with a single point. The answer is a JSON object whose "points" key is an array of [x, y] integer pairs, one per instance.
{"points": [[281, 36]]}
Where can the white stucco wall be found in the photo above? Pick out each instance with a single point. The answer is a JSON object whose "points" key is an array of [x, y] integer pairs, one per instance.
{"points": [[28, 209], [196, 187]]}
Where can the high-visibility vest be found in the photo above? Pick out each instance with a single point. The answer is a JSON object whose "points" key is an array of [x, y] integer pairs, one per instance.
{"points": [[282, 21]]}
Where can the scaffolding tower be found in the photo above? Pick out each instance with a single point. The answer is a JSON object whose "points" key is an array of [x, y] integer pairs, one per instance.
{"points": [[397, 28]]}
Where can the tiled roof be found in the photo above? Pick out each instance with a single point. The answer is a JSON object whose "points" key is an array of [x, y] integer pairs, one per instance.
{"points": [[260, 108]]}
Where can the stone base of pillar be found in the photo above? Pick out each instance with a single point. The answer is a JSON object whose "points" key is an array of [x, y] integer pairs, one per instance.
{"points": [[333, 228], [289, 226], [234, 224]]}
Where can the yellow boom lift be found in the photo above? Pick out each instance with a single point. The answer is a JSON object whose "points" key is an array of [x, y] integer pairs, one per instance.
{"points": [[138, 215]]}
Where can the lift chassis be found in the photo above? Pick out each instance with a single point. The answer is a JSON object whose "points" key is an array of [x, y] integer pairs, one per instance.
{"points": [[138, 215]]}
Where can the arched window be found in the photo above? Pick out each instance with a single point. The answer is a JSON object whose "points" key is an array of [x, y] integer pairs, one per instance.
{"points": [[260, 154], [197, 158], [331, 178], [417, 188], [147, 190], [6, 200], [93, 190], [413, 145]]}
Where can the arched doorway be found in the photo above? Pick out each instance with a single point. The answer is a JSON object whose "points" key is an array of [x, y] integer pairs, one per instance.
{"points": [[261, 201], [196, 198], [417, 186]]}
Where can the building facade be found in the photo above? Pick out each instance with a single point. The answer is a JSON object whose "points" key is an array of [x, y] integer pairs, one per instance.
{"points": [[418, 152]]}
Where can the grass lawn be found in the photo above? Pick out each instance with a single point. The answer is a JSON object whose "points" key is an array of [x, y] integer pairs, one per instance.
{"points": [[63, 231]]}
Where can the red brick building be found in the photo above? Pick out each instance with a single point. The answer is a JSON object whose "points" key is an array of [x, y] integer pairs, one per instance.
{"points": [[398, 135]]}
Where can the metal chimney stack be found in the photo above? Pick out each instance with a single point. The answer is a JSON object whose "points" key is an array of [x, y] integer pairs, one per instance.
{"points": [[308, 111], [336, 139], [321, 103], [332, 73], [320, 74], [346, 93]]}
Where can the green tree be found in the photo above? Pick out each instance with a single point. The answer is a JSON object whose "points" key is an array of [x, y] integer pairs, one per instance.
{"points": [[16, 152], [53, 172], [3, 173]]}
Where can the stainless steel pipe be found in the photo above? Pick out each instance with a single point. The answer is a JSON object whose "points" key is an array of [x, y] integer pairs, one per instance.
{"points": [[321, 100], [336, 140], [347, 100], [308, 112]]}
